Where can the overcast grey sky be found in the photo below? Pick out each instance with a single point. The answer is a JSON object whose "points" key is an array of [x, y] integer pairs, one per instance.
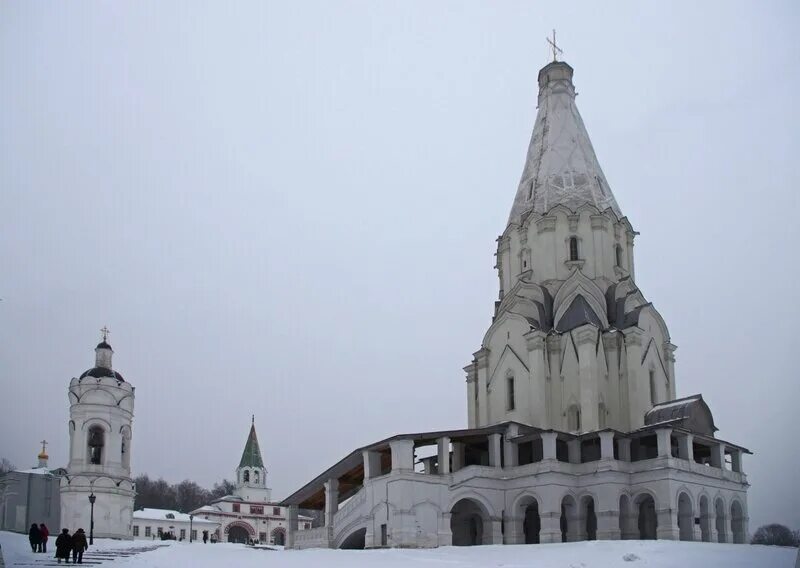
{"points": [[289, 209]]}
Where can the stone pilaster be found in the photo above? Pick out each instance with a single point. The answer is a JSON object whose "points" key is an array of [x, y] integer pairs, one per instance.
{"points": [[402, 455], [638, 392], [663, 437], [669, 355], [537, 391], [624, 445], [606, 445], [331, 506], [291, 525], [549, 445], [495, 450], [667, 525], [482, 363], [608, 525], [586, 340], [550, 526], [444, 455], [472, 394], [686, 447]]}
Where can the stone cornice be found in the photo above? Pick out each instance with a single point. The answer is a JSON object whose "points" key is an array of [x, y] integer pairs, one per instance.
{"points": [[599, 222], [535, 339], [633, 336], [573, 222], [547, 223], [586, 333], [481, 358]]}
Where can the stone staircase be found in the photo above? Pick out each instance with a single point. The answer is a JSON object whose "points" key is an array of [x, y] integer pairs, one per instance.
{"points": [[90, 557]]}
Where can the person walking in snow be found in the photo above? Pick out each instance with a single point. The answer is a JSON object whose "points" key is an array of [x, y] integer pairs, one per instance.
{"points": [[43, 534], [63, 546], [79, 545], [205, 537], [34, 537]]}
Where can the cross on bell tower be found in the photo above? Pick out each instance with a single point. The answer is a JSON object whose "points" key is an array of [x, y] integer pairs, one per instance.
{"points": [[554, 48], [105, 331]]}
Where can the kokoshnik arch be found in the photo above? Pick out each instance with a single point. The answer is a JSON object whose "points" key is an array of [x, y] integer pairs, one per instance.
{"points": [[574, 428]]}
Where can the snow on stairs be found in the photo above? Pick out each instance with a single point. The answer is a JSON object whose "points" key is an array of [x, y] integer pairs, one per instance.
{"points": [[90, 557]]}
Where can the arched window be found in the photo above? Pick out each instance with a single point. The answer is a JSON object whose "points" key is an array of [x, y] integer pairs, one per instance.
{"points": [[510, 400], [126, 450], [96, 443], [574, 418], [257, 478], [246, 477], [573, 248], [652, 386], [618, 256]]}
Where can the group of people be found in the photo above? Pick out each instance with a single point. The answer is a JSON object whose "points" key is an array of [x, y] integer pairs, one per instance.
{"points": [[66, 544]]}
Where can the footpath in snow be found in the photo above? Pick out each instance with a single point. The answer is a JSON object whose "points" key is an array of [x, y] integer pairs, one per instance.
{"points": [[598, 554]]}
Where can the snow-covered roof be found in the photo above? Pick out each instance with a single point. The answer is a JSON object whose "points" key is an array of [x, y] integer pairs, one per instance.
{"points": [[167, 515], [561, 166], [35, 471]]}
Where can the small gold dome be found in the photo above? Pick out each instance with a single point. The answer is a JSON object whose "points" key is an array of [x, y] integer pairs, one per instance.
{"points": [[42, 456]]}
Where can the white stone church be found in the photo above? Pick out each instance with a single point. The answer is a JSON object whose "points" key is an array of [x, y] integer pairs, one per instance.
{"points": [[574, 430]]}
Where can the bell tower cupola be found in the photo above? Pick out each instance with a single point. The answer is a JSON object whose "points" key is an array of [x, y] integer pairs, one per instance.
{"points": [[251, 475]]}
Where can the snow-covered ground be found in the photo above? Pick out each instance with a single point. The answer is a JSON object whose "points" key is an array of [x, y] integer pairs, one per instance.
{"points": [[605, 554]]}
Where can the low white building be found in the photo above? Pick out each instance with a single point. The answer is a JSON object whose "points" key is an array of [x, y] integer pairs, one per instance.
{"points": [[249, 515], [150, 524]]}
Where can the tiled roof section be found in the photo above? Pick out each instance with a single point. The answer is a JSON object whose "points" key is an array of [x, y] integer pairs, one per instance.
{"points": [[251, 457], [561, 167], [692, 412], [578, 314]]}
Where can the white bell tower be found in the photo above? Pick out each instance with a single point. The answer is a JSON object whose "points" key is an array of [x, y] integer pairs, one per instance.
{"points": [[101, 414]]}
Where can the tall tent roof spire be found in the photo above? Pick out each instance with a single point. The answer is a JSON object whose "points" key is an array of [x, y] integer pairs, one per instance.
{"points": [[251, 457], [561, 166]]}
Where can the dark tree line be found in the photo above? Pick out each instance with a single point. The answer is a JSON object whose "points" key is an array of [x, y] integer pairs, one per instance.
{"points": [[777, 535], [185, 496]]}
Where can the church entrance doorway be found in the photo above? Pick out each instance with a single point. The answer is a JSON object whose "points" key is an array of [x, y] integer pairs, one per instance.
{"points": [[719, 510], [685, 517], [648, 522], [468, 522], [705, 524], [238, 534], [627, 520], [532, 524], [590, 519], [569, 519], [279, 537], [355, 540], [737, 523]]}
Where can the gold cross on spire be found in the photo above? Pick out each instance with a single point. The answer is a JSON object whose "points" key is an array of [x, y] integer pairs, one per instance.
{"points": [[105, 331], [556, 50], [44, 447]]}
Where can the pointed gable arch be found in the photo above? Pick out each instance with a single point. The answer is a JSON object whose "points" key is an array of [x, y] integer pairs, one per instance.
{"points": [[498, 322], [650, 310], [508, 359], [578, 284]]}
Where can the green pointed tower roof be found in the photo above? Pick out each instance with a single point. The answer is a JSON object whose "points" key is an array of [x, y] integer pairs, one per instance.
{"points": [[251, 457]]}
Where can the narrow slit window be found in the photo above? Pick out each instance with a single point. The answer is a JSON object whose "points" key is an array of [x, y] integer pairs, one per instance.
{"points": [[510, 402], [573, 248], [618, 255], [652, 386]]}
